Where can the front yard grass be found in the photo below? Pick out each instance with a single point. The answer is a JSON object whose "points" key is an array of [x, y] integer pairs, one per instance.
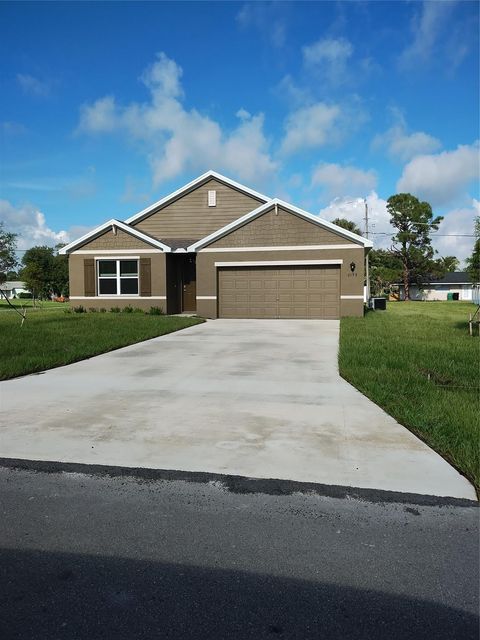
{"points": [[52, 338], [418, 362]]}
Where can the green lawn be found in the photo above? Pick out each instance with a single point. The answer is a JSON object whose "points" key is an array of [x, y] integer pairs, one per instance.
{"points": [[28, 304], [52, 338], [418, 362]]}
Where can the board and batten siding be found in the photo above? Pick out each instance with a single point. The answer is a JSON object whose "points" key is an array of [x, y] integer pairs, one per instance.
{"points": [[191, 217], [279, 229]]}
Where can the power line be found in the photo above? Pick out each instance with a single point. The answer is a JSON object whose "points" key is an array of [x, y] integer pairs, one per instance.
{"points": [[443, 235]]}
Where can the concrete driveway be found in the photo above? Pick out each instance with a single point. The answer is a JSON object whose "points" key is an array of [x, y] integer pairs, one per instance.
{"points": [[254, 398]]}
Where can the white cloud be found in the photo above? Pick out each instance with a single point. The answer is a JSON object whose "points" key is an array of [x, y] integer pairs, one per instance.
{"points": [[328, 56], [30, 224], [450, 239], [337, 180], [442, 177], [33, 86], [402, 145], [457, 224], [354, 209], [310, 127], [267, 18], [428, 27], [178, 139]]}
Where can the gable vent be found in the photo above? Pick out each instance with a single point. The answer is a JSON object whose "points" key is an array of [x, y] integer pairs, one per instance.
{"points": [[212, 198]]}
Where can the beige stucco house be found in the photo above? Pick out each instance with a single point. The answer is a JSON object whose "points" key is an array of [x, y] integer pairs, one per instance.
{"points": [[220, 249]]}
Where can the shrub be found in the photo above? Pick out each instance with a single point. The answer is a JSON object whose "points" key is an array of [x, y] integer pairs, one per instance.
{"points": [[127, 309], [138, 310], [115, 310], [92, 309], [25, 296], [79, 309], [67, 310], [102, 310], [156, 311]]}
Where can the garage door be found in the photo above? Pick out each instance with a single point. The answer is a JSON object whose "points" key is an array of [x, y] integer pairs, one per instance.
{"points": [[279, 292]]}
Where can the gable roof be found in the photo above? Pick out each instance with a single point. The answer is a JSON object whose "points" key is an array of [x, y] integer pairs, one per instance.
{"points": [[289, 207], [98, 231], [205, 177], [453, 277]]}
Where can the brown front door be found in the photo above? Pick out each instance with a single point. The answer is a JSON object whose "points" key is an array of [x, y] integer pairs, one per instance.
{"points": [[189, 284]]}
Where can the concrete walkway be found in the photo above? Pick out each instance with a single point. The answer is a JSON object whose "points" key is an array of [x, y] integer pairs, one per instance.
{"points": [[254, 398]]}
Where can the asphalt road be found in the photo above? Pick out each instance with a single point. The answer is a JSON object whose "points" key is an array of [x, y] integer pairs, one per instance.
{"points": [[191, 556]]}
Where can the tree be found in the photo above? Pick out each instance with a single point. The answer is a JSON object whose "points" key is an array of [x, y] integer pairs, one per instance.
{"points": [[348, 225], [60, 283], [8, 245], [414, 222], [45, 271], [385, 270], [473, 262], [449, 264], [38, 271]]}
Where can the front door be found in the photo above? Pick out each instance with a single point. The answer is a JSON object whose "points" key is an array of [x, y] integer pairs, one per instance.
{"points": [[189, 284]]}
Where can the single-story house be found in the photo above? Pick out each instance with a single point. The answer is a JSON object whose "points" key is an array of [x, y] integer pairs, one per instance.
{"points": [[12, 288], [222, 250], [456, 282]]}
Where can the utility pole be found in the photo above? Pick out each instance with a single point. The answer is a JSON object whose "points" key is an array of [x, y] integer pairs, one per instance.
{"points": [[367, 266]]}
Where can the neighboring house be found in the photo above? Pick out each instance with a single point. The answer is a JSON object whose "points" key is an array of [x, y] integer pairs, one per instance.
{"points": [[457, 283], [12, 288], [220, 249]]}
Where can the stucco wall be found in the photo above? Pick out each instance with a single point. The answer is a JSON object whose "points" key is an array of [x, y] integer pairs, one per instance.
{"points": [[351, 282], [158, 284]]}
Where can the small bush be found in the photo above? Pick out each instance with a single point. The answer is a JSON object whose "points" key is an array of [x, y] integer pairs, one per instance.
{"points": [[102, 310], [79, 309], [138, 310], [25, 296], [92, 309], [156, 311], [67, 310], [127, 309], [115, 310]]}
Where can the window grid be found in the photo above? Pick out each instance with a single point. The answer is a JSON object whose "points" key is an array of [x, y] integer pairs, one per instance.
{"points": [[118, 277]]}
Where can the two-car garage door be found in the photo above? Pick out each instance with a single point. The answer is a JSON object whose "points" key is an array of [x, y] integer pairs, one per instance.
{"points": [[279, 291]]}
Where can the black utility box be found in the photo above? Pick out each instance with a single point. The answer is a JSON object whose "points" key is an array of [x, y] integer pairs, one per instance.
{"points": [[378, 304]]}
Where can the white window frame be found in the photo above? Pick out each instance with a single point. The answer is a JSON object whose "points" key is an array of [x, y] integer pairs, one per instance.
{"points": [[212, 198], [117, 276]]}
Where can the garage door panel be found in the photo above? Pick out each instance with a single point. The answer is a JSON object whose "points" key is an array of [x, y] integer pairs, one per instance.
{"points": [[279, 292]]}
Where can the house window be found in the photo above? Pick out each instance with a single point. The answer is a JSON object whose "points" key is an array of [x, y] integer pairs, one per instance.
{"points": [[117, 277]]}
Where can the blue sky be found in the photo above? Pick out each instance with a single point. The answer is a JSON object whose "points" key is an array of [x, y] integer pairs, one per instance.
{"points": [[106, 107]]}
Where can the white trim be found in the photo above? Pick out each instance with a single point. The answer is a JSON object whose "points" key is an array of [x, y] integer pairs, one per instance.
{"points": [[275, 202], [191, 185], [120, 225], [206, 297], [306, 247], [276, 263], [118, 276], [124, 297], [111, 257], [351, 297], [109, 252]]}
